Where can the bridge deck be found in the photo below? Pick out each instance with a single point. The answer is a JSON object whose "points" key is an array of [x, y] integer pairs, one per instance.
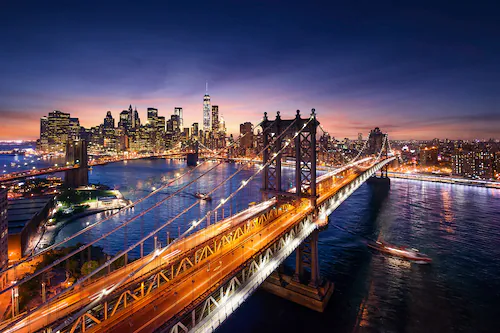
{"points": [[153, 310]]}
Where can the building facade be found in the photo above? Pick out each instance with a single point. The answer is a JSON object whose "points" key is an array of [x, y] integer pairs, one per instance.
{"points": [[206, 112], [56, 129]]}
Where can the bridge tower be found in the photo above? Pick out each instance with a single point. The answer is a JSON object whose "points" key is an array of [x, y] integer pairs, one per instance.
{"points": [[305, 287], [192, 158], [382, 150], [76, 155], [305, 155]]}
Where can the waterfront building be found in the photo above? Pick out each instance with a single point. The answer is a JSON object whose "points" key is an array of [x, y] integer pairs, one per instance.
{"points": [[497, 165], [55, 131], [24, 218], [4, 251], [429, 156], [475, 160], [43, 143]]}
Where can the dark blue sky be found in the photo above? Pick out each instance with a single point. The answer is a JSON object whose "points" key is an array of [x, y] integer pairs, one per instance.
{"points": [[416, 70]]}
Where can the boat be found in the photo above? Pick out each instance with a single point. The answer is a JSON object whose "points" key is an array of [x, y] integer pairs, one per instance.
{"points": [[203, 196], [400, 251]]}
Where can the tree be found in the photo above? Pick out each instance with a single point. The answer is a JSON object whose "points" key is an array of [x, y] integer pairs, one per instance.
{"points": [[89, 266]]}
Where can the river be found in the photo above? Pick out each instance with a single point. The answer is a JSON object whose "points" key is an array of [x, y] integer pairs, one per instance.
{"points": [[457, 226]]}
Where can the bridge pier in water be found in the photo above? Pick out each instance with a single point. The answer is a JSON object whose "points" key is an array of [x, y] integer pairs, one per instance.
{"points": [[305, 287], [192, 158], [381, 178]]}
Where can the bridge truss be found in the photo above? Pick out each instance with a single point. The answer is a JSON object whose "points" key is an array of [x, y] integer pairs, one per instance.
{"points": [[291, 218]]}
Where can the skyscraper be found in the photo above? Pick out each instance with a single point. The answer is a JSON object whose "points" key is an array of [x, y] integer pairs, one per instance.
{"points": [[152, 115], [136, 122], [44, 134], [215, 118], [175, 123], [109, 121], [55, 130], [124, 121], [178, 112], [246, 132], [206, 110], [74, 129], [195, 130]]}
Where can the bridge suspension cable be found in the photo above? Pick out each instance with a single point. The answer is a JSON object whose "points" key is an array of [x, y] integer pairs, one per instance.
{"points": [[81, 280], [158, 252], [382, 148], [359, 152], [80, 249]]}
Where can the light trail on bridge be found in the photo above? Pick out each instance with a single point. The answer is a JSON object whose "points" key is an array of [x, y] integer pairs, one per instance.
{"points": [[158, 252], [142, 316], [109, 262], [127, 276], [91, 226]]}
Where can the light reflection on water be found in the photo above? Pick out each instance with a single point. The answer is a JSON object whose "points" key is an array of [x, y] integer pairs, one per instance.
{"points": [[457, 226]]}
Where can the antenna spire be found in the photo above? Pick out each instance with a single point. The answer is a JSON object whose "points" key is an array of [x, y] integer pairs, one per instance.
{"points": [[206, 87]]}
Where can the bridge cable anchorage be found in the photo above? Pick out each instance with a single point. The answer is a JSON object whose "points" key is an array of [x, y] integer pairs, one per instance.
{"points": [[80, 249], [160, 251]]}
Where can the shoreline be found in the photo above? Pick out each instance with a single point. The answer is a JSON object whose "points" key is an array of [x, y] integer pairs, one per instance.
{"points": [[446, 180], [50, 232]]}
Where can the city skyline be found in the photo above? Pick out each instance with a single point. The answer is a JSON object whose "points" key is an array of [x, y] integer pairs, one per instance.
{"points": [[360, 67]]}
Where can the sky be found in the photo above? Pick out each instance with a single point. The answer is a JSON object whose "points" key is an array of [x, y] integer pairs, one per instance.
{"points": [[418, 70]]}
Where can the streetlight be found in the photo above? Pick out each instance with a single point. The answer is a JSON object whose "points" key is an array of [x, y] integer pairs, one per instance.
{"points": [[43, 293], [15, 300]]}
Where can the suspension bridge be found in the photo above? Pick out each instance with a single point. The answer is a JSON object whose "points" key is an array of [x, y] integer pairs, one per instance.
{"points": [[195, 281]]}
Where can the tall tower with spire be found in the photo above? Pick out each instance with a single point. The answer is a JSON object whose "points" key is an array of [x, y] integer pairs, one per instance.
{"points": [[137, 120], [206, 109]]}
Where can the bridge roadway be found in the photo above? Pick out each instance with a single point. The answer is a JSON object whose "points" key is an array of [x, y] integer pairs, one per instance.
{"points": [[53, 169], [80, 297], [149, 313]]}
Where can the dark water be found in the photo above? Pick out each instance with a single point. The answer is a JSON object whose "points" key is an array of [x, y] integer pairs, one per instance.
{"points": [[135, 179], [458, 226]]}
